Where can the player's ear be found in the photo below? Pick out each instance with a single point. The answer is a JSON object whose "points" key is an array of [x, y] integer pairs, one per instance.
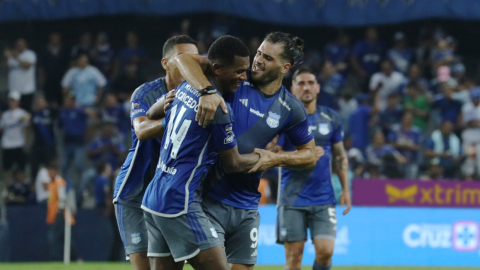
{"points": [[216, 67], [286, 67], [164, 63], [319, 87]]}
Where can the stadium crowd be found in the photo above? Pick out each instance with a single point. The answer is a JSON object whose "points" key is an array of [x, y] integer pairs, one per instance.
{"points": [[408, 109]]}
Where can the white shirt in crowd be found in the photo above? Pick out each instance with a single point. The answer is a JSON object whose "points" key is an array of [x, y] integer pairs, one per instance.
{"points": [[391, 84], [42, 178], [470, 112], [19, 78], [13, 123]]}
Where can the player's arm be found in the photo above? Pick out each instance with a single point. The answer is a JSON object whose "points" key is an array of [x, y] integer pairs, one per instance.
{"points": [[159, 109], [234, 162], [340, 168], [302, 159], [192, 67], [147, 129]]}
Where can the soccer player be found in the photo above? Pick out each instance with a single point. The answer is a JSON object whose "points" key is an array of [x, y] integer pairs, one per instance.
{"points": [[306, 198], [263, 108], [139, 167], [178, 229]]}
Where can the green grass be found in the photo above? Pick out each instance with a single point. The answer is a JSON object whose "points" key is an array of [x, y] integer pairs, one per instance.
{"points": [[126, 266]]}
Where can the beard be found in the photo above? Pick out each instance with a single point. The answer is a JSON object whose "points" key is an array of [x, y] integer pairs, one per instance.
{"points": [[265, 77]]}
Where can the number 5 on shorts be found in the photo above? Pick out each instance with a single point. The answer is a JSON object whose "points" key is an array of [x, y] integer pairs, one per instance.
{"points": [[333, 215]]}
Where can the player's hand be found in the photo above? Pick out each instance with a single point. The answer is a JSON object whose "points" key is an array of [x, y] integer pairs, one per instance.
{"points": [[345, 199], [272, 146], [207, 107], [168, 100], [319, 152], [266, 161]]}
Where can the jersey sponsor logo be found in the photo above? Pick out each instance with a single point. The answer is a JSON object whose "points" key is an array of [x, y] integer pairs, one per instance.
{"points": [[214, 232], [229, 139], [244, 102], [257, 113], [284, 104], [137, 111], [324, 128], [136, 238], [273, 119], [135, 105], [166, 169]]}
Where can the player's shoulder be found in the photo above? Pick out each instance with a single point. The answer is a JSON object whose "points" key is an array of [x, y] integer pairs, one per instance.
{"points": [[222, 118], [150, 89], [290, 102], [331, 113]]}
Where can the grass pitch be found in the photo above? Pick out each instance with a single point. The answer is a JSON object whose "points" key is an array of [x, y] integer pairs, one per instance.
{"points": [[127, 266]]}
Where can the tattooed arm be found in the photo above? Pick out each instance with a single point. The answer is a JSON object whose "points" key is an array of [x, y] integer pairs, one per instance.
{"points": [[340, 167]]}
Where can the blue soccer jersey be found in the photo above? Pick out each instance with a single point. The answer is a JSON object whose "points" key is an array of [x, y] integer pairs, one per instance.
{"points": [[259, 119], [314, 186], [187, 153], [139, 167]]}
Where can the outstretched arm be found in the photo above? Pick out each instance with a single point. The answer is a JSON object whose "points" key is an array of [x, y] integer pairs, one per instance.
{"points": [[147, 129], [304, 158], [234, 162]]}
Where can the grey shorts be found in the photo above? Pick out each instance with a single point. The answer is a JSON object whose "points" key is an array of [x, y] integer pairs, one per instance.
{"points": [[182, 237], [292, 223], [133, 230], [237, 230]]}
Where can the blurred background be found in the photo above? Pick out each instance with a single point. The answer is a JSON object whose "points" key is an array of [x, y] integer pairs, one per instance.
{"points": [[404, 76]]}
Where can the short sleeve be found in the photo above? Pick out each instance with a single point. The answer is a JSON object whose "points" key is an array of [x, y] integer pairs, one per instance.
{"points": [[29, 57], [222, 130], [297, 130], [101, 81], [138, 107], [338, 134], [374, 81], [67, 78]]}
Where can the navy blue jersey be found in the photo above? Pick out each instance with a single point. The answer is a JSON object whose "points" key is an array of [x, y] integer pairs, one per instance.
{"points": [[187, 153], [139, 167], [314, 186], [259, 119]]}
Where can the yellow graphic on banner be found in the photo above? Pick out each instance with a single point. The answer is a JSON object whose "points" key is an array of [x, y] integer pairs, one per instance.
{"points": [[407, 194]]}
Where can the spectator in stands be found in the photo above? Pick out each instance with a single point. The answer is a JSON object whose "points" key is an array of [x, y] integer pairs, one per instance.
{"points": [[21, 72], [337, 52], [443, 78], [471, 135], [406, 139], [102, 185], [113, 112], [73, 123], [434, 172], [415, 76], [418, 104], [471, 110], [133, 52], [41, 181], [127, 83], [19, 190], [85, 46], [52, 65], [442, 55], [104, 149], [400, 54], [424, 51], [386, 82], [103, 55], [347, 106], [392, 114], [13, 124], [449, 108], [331, 83], [44, 140], [383, 159], [356, 160], [444, 148], [359, 122], [366, 54], [85, 81]]}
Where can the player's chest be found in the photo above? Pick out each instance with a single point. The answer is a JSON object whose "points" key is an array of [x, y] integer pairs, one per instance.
{"points": [[322, 128]]}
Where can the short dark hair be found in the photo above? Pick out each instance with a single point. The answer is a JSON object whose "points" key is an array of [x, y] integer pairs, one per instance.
{"points": [[225, 48], [301, 71], [53, 164], [292, 46], [175, 40]]}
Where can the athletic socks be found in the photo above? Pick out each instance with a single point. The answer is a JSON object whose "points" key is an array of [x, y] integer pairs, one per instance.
{"points": [[317, 266]]}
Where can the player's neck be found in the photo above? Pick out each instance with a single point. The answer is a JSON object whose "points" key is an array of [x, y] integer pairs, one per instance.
{"points": [[310, 107], [172, 82], [271, 88], [214, 80]]}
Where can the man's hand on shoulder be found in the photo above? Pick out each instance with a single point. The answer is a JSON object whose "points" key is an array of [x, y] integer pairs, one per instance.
{"points": [[207, 108]]}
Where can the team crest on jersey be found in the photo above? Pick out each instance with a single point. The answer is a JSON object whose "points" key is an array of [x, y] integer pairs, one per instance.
{"points": [[136, 238], [273, 119], [324, 128], [135, 105]]}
